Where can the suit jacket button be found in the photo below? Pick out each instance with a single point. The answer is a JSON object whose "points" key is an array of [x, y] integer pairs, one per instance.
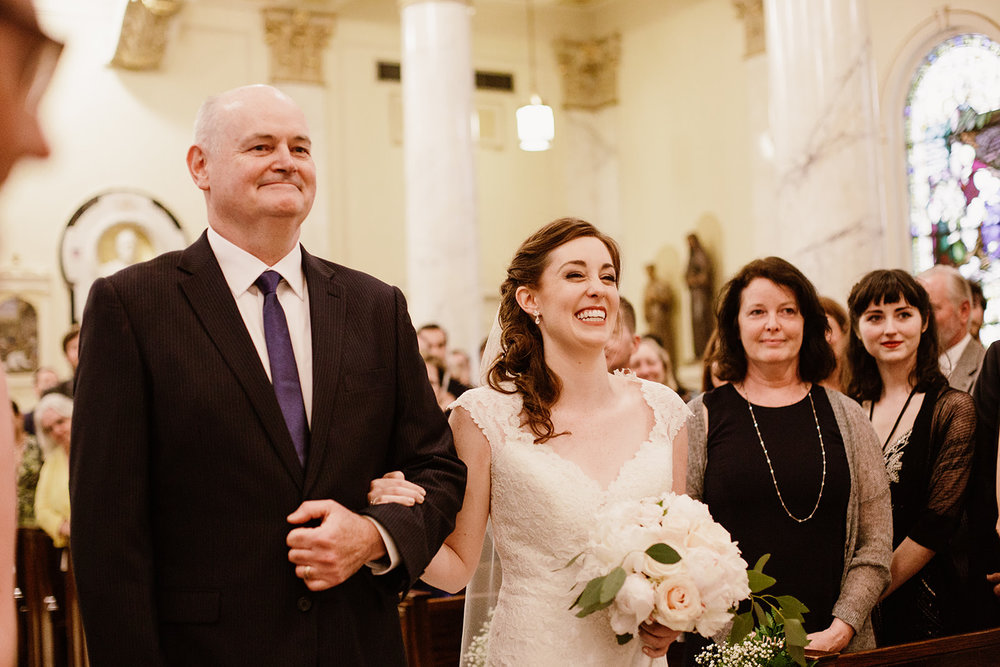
{"points": [[304, 604]]}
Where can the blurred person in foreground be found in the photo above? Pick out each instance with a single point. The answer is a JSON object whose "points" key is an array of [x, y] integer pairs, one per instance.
{"points": [[788, 467], [978, 311], [27, 58], [927, 433]]}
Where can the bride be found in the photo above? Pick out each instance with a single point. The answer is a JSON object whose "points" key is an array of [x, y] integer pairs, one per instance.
{"points": [[550, 440]]}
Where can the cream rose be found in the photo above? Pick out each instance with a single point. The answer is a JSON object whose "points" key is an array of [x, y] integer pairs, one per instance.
{"points": [[678, 604]]}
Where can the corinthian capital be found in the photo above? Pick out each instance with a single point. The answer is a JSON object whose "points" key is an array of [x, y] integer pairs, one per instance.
{"points": [[296, 38], [589, 71], [752, 13], [143, 38]]}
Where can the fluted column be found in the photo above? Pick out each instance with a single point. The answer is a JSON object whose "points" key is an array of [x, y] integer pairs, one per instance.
{"points": [[828, 217], [441, 225]]}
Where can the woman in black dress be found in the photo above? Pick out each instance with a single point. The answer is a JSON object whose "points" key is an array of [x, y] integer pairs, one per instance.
{"points": [[790, 468], [926, 430]]}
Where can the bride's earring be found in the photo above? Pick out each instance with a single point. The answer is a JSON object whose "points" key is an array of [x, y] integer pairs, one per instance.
{"points": [[538, 317]]}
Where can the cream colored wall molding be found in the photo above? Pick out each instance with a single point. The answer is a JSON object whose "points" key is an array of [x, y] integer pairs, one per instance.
{"points": [[752, 14], [143, 38], [589, 71], [296, 38]]}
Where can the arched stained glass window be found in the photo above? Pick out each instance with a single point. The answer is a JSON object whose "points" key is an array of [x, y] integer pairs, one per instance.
{"points": [[952, 126]]}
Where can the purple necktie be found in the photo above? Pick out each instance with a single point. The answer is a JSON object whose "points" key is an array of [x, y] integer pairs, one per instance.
{"points": [[284, 372]]}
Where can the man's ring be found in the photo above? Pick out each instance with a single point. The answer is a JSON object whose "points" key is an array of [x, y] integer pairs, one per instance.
{"points": [[308, 573]]}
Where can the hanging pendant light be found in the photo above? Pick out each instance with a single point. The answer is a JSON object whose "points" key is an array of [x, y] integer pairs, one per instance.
{"points": [[536, 126]]}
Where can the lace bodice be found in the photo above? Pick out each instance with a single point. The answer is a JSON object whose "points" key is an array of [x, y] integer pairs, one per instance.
{"points": [[541, 508]]}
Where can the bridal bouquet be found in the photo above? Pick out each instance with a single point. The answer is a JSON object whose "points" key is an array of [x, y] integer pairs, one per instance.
{"points": [[661, 557]]}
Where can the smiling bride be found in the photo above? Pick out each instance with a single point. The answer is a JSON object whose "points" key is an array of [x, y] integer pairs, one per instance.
{"points": [[549, 442]]}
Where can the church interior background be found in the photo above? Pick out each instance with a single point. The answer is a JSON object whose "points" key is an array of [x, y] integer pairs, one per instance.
{"points": [[843, 135]]}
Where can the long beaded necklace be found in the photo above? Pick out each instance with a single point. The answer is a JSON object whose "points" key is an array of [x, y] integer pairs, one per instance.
{"points": [[770, 467]]}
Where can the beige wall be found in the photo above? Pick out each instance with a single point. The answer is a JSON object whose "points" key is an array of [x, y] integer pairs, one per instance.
{"points": [[683, 147]]}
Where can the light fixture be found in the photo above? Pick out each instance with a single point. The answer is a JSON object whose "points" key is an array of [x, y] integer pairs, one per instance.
{"points": [[536, 125]]}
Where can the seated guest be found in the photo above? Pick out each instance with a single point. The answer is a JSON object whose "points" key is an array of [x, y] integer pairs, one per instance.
{"points": [[27, 463], [836, 336], [790, 468], [459, 367], [624, 341], [961, 355], [54, 413], [433, 342], [651, 362], [44, 379], [926, 429], [435, 373]]}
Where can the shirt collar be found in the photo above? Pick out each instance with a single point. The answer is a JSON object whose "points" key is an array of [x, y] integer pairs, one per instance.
{"points": [[954, 353], [241, 269]]}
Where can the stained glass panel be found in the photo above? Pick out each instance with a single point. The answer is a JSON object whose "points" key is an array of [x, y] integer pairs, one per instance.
{"points": [[953, 164]]}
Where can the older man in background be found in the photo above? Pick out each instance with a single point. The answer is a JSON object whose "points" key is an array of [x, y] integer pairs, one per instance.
{"points": [[961, 354], [26, 59]]}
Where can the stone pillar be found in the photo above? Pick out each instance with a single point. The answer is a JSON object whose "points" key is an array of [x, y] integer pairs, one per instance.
{"points": [[828, 218], [441, 225], [143, 38]]}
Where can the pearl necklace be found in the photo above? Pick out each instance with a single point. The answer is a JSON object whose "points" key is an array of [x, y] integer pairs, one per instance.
{"points": [[770, 467]]}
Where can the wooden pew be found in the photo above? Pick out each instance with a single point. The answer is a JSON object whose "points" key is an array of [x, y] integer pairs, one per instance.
{"points": [[975, 649], [432, 629]]}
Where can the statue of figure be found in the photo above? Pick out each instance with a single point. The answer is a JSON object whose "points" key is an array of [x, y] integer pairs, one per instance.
{"points": [[658, 304], [699, 281], [126, 252]]}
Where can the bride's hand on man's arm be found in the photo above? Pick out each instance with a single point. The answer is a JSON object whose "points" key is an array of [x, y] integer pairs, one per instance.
{"points": [[393, 488]]}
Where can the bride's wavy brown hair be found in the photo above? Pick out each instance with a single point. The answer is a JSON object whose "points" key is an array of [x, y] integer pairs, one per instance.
{"points": [[522, 358]]}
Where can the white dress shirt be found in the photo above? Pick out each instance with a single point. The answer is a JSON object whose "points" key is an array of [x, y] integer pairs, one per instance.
{"points": [[241, 270], [950, 357]]}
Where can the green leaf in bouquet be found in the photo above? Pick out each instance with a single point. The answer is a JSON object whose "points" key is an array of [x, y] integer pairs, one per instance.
{"points": [[796, 653], [624, 639], [791, 607], [612, 584], [590, 595], [587, 611], [763, 618], [663, 553], [795, 634], [759, 567], [571, 561], [759, 581], [742, 625]]}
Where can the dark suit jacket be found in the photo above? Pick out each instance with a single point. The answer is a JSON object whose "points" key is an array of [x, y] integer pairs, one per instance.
{"points": [[183, 471]]}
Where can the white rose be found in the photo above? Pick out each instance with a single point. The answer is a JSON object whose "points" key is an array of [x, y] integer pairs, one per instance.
{"points": [[721, 580], [632, 605], [678, 604]]}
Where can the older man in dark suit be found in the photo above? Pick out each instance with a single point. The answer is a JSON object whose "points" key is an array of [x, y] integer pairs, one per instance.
{"points": [[233, 402]]}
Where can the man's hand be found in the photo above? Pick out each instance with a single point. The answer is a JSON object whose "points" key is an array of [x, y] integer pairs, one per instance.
{"points": [[995, 580], [328, 554], [656, 638]]}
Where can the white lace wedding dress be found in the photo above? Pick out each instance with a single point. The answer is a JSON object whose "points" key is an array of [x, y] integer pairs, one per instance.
{"points": [[542, 508]]}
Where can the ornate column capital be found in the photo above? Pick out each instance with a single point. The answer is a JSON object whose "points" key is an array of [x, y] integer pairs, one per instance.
{"points": [[296, 38], [143, 38], [752, 13], [589, 71], [403, 4]]}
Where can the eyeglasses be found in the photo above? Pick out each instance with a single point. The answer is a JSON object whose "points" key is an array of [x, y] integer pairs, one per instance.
{"points": [[39, 60]]}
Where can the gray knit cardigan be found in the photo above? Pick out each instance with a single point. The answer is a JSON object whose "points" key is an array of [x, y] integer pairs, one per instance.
{"points": [[868, 549]]}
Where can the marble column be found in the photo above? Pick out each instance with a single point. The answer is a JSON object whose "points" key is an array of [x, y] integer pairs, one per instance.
{"points": [[823, 119], [441, 225]]}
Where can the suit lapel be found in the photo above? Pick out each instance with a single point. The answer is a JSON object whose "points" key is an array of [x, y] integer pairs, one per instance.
{"points": [[327, 314], [210, 298]]}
